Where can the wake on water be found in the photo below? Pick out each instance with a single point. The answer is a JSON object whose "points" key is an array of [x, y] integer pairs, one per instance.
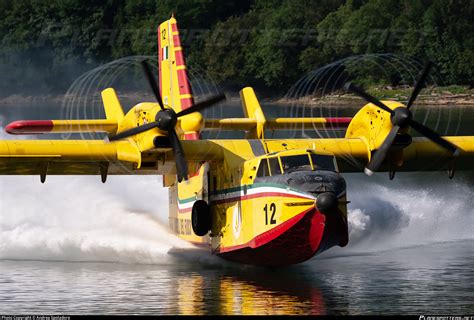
{"points": [[78, 218], [414, 209]]}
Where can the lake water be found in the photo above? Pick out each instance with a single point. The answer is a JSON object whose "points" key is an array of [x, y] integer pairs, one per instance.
{"points": [[76, 246], [431, 279]]}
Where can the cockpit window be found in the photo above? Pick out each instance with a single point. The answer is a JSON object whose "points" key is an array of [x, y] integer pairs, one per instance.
{"points": [[322, 162], [274, 166], [295, 163], [263, 170]]}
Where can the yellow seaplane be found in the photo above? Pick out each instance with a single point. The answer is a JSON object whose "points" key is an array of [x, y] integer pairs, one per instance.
{"points": [[260, 201]]}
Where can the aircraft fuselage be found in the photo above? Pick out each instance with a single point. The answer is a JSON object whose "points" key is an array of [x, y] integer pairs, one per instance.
{"points": [[292, 209]]}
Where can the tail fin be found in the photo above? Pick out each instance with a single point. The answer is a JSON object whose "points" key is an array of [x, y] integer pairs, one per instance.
{"points": [[174, 83], [175, 88], [253, 110], [113, 109]]}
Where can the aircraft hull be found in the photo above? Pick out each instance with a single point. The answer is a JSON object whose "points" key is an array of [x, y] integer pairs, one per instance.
{"points": [[294, 241]]}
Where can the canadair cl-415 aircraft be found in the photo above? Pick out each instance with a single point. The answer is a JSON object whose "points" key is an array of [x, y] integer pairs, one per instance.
{"points": [[259, 201]]}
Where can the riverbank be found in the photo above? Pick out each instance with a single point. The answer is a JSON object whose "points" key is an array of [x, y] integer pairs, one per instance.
{"points": [[453, 95]]}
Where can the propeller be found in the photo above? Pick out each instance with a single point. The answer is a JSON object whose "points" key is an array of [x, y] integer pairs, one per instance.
{"points": [[166, 120], [401, 118]]}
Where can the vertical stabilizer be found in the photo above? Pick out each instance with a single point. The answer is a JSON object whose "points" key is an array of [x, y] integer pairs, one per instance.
{"points": [[113, 109], [252, 110], [175, 88], [174, 82]]}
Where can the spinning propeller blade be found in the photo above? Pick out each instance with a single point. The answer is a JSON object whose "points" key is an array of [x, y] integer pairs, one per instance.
{"points": [[381, 153], [165, 120], [133, 131], [360, 92], [202, 105], [401, 118], [181, 164], [152, 82], [420, 83], [433, 136]]}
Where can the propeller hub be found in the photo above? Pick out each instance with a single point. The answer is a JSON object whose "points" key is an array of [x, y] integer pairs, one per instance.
{"points": [[166, 119], [401, 117]]}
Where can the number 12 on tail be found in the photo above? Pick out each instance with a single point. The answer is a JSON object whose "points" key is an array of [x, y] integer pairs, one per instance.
{"points": [[270, 213]]}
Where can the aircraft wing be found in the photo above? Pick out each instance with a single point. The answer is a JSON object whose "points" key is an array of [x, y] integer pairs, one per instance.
{"points": [[98, 157], [42, 157], [90, 157], [353, 154], [424, 155]]}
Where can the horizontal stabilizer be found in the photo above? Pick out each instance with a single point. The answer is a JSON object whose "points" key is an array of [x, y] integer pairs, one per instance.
{"points": [[255, 122], [113, 111]]}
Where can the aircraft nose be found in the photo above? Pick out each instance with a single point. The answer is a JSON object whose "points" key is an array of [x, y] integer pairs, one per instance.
{"points": [[326, 202]]}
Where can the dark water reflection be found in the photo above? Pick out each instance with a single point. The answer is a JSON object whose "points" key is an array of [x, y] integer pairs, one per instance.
{"points": [[436, 278]]}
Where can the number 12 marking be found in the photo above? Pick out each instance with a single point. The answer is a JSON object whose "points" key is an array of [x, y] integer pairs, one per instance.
{"points": [[271, 210]]}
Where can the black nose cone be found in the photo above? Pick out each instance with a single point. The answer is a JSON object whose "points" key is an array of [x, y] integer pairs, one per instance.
{"points": [[326, 202], [166, 119]]}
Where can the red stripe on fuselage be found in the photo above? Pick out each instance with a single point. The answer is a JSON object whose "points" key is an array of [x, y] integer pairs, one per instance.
{"points": [[252, 196], [260, 195], [301, 241], [269, 235], [184, 210]]}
